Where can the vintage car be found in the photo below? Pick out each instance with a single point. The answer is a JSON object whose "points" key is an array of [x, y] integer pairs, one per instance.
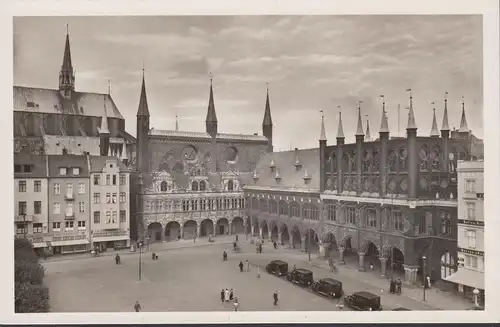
{"points": [[301, 276], [277, 267], [328, 287], [363, 301]]}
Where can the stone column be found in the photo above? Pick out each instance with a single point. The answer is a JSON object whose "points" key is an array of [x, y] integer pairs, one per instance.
{"points": [[361, 257], [163, 229], [181, 231], [269, 234], [321, 250], [260, 232], [341, 254], [252, 229], [383, 265], [230, 225], [198, 230], [279, 238], [303, 244]]}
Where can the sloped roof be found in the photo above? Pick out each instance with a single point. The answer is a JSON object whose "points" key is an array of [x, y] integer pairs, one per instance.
{"points": [[31, 99], [291, 177], [38, 165], [97, 163], [68, 161], [204, 135]]}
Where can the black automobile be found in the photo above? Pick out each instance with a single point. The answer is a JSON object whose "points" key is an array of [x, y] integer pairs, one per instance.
{"points": [[277, 267], [328, 287], [363, 301], [301, 276]]}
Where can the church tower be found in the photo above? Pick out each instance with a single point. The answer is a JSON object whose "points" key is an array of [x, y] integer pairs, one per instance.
{"points": [[267, 124], [142, 162], [211, 121], [66, 75]]}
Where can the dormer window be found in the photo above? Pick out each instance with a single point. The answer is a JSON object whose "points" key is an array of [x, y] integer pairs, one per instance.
{"points": [[306, 177], [272, 165], [255, 176], [277, 177], [62, 171], [76, 171], [298, 164], [230, 185]]}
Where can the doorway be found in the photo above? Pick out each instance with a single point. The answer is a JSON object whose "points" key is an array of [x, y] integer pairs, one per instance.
{"points": [[221, 230]]}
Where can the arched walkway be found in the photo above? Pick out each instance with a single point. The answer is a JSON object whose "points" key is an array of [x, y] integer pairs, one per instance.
{"points": [[154, 231], [172, 231], [274, 233], [222, 226], [206, 228], [330, 245], [395, 261], [265, 230], [296, 238], [285, 236], [189, 229], [237, 226], [312, 241], [371, 255]]}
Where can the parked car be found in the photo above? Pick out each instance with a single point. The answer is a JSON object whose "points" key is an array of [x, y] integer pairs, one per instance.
{"points": [[301, 276], [277, 267], [363, 301], [328, 287]]}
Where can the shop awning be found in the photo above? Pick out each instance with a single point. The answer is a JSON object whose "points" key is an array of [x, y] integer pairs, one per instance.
{"points": [[468, 277]]}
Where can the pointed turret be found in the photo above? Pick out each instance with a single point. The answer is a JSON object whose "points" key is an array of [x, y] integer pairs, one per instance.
{"points": [[434, 129], [463, 122], [109, 152], [367, 135], [359, 130], [267, 123], [104, 134], [66, 75], [445, 126], [340, 130], [384, 125], [411, 114], [211, 121], [67, 65], [322, 134], [104, 120], [143, 109], [124, 152]]}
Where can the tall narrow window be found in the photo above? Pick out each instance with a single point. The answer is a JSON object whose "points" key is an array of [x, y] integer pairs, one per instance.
{"points": [[194, 186], [230, 185], [202, 186]]}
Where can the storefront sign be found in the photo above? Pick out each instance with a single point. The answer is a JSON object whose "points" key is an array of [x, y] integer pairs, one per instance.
{"points": [[471, 222], [473, 252]]}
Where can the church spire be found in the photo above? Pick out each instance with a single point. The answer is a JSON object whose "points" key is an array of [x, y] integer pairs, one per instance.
{"points": [[384, 125], [104, 120], [322, 134], [445, 126], [267, 113], [434, 129], [66, 75], [463, 121], [267, 123], [367, 135], [66, 65], [411, 114], [211, 121], [359, 131], [340, 130], [143, 109]]}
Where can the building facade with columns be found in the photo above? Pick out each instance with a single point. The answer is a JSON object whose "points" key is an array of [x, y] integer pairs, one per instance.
{"points": [[190, 184]]}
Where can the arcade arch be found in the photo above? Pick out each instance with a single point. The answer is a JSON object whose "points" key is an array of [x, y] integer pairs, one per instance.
{"points": [[155, 231], [206, 227], [222, 226], [189, 229], [172, 231]]}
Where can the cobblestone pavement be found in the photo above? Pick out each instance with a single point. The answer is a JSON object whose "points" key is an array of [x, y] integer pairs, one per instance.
{"points": [[189, 277]]}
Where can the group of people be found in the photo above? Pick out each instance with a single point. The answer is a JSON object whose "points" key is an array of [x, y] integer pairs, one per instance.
{"points": [[228, 296], [395, 286], [242, 266], [154, 256]]}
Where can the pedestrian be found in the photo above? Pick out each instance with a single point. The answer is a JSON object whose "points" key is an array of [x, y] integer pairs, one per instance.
{"points": [[224, 256], [231, 295], [428, 279], [398, 285], [275, 298], [275, 245], [236, 304], [117, 259], [392, 287], [222, 295], [260, 248], [241, 266], [153, 256], [294, 268], [137, 306], [248, 266], [371, 266], [226, 295]]}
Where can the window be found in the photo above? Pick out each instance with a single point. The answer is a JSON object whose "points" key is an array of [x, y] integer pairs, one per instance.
{"points": [[203, 204], [62, 171], [209, 204], [447, 265], [108, 217], [37, 207], [22, 186], [123, 180], [108, 197], [69, 209], [185, 205], [194, 205], [21, 228], [56, 226], [351, 215], [37, 186], [114, 179], [22, 207], [97, 179], [194, 186], [81, 207], [27, 168], [331, 213], [471, 239], [81, 224], [97, 198], [123, 198], [37, 228], [473, 262], [76, 171], [56, 208], [397, 219], [470, 186], [69, 189], [108, 179], [69, 225], [203, 186], [314, 212], [471, 211], [97, 217], [114, 198], [81, 188], [371, 218], [230, 185], [17, 168], [163, 186], [273, 207], [445, 227], [123, 216], [114, 217], [57, 189], [295, 209]]}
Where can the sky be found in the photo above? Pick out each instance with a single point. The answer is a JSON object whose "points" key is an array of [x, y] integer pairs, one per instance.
{"points": [[310, 63]]}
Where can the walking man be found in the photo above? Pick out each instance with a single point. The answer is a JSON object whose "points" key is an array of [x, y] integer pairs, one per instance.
{"points": [[137, 306], [224, 256], [222, 295], [241, 266], [226, 295], [275, 298], [231, 294], [398, 286]]}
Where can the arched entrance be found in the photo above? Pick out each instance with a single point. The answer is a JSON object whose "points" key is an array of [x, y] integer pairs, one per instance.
{"points": [[312, 241], [265, 230], [285, 236], [222, 226], [206, 228], [237, 226], [395, 261], [330, 245], [296, 238], [172, 231], [189, 229], [371, 255], [274, 232], [155, 231]]}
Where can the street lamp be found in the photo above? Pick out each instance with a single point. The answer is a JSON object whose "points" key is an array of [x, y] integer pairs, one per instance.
{"points": [[140, 260], [423, 274], [476, 294]]}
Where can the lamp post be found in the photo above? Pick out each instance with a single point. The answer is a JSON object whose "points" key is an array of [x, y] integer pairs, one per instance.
{"points": [[423, 274], [25, 229], [476, 295], [140, 260]]}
